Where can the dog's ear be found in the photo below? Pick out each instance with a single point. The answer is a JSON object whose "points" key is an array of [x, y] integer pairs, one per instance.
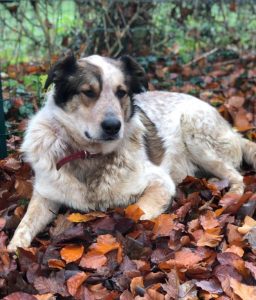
{"points": [[61, 69], [136, 74]]}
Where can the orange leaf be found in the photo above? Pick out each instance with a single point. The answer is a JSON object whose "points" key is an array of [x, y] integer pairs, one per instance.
{"points": [[71, 253], [184, 258], [77, 217], [235, 249], [249, 223], [244, 291], [93, 260], [48, 296], [164, 224], [133, 212], [56, 263], [210, 237], [74, 282], [136, 282], [106, 243], [208, 220]]}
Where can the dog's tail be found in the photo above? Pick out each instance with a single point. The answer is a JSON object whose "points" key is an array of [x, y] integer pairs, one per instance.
{"points": [[249, 151]]}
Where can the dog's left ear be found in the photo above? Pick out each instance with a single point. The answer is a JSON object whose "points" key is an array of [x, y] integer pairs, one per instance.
{"points": [[136, 75]]}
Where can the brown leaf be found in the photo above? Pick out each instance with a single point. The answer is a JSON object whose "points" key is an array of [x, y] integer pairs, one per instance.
{"points": [[54, 285], [93, 260], [135, 283], [56, 264], [19, 296], [251, 238], [61, 224], [210, 238], [229, 258], [164, 224], [235, 249], [48, 296], [244, 291], [23, 188], [133, 212], [74, 282], [249, 223], [211, 286], [172, 284], [232, 202], [71, 253], [208, 220], [77, 217], [252, 267], [185, 258]]}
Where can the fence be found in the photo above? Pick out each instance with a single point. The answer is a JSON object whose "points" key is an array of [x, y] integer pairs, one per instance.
{"points": [[3, 146]]}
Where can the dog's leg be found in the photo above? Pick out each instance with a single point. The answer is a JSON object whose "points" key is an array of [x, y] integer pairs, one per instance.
{"points": [[157, 196], [39, 213], [214, 148]]}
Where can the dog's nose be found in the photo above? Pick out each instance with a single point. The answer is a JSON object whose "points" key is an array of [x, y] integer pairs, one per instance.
{"points": [[111, 126]]}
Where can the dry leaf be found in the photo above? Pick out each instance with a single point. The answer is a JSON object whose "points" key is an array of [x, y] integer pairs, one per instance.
{"points": [[74, 282], [249, 223], [72, 253], [93, 260], [56, 263], [106, 243], [77, 217], [244, 291], [133, 212]]}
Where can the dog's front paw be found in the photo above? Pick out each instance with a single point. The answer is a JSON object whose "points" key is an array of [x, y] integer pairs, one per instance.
{"points": [[150, 212], [19, 240]]}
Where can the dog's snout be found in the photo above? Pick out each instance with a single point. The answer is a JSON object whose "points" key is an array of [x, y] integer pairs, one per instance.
{"points": [[111, 126]]}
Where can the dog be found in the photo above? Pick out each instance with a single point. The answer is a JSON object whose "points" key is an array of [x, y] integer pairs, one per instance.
{"points": [[103, 141]]}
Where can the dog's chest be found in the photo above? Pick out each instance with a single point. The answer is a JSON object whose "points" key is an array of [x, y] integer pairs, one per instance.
{"points": [[104, 179]]}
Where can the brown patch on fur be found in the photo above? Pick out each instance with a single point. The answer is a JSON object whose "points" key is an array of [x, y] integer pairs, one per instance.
{"points": [[154, 144]]}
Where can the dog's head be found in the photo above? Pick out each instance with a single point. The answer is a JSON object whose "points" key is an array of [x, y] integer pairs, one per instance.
{"points": [[96, 94]]}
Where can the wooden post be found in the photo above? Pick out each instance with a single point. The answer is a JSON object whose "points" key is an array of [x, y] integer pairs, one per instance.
{"points": [[3, 147]]}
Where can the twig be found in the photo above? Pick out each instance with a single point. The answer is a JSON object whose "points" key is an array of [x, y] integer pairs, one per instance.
{"points": [[201, 57], [124, 31]]}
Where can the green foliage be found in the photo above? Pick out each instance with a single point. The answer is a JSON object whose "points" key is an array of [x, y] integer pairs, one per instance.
{"points": [[35, 30]]}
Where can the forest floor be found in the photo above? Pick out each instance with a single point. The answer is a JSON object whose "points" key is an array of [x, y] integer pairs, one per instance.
{"points": [[204, 247]]}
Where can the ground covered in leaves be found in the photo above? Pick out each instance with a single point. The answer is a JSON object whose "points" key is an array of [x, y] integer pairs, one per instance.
{"points": [[204, 247]]}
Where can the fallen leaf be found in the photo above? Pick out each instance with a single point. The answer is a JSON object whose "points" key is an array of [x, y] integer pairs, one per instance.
{"points": [[77, 217], [133, 212], [56, 263], [93, 260], [244, 291], [48, 296], [74, 282], [19, 296], [210, 237], [136, 282], [106, 243], [71, 253], [249, 223], [211, 286], [208, 220], [235, 249], [164, 224]]}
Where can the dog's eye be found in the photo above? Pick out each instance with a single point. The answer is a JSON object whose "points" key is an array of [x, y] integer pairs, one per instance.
{"points": [[89, 93], [121, 93]]}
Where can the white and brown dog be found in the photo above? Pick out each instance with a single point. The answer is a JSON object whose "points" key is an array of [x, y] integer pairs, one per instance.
{"points": [[101, 141]]}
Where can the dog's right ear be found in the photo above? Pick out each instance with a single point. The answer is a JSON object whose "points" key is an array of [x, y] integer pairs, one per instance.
{"points": [[64, 67]]}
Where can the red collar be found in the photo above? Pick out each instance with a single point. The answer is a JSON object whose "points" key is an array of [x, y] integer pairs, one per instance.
{"points": [[77, 155]]}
